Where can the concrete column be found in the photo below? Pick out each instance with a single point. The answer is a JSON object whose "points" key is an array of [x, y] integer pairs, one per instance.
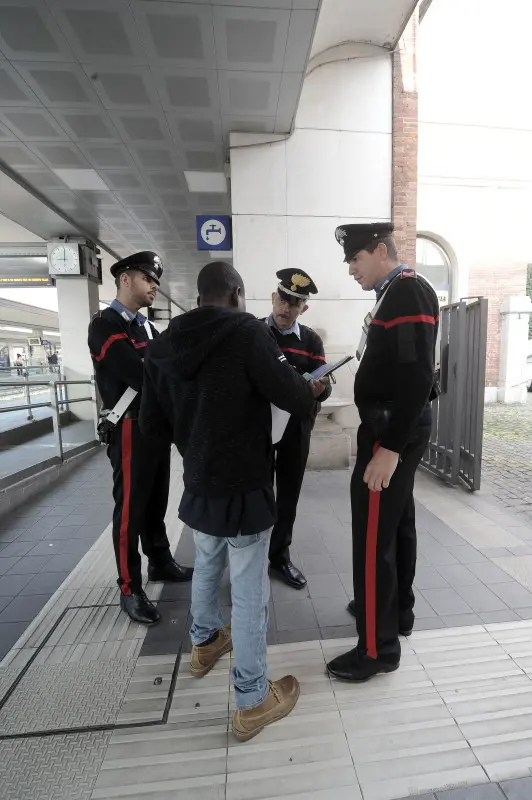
{"points": [[78, 301], [513, 379], [161, 313], [289, 195]]}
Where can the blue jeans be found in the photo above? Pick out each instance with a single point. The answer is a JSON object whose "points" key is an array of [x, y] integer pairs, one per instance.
{"points": [[250, 593]]}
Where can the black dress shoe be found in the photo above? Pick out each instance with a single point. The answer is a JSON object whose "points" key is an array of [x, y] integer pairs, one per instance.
{"points": [[357, 668], [139, 608], [289, 574], [404, 628], [169, 572]]}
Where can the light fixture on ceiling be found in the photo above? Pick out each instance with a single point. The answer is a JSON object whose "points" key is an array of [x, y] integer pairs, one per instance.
{"points": [[81, 179], [15, 329], [206, 181], [51, 333]]}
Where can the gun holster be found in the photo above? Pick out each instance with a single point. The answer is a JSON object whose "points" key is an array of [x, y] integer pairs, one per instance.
{"points": [[105, 428]]}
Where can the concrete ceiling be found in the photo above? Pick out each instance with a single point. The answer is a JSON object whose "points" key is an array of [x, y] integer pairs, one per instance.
{"points": [[377, 22], [134, 93], [140, 91]]}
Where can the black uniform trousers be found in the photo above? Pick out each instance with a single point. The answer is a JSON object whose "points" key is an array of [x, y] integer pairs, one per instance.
{"points": [[290, 461], [141, 480], [384, 547]]}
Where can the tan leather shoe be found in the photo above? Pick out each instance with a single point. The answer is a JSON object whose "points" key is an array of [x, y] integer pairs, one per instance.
{"points": [[204, 658], [281, 699]]}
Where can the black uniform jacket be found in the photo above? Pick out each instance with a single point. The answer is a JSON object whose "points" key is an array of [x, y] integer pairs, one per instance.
{"points": [[305, 354], [397, 369], [117, 349]]}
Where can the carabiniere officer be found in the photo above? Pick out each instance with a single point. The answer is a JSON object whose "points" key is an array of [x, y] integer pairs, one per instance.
{"points": [[303, 349], [118, 337], [393, 388]]}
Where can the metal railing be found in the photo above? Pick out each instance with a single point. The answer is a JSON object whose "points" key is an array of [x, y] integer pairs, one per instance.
{"points": [[454, 452], [59, 402], [33, 369], [26, 383]]}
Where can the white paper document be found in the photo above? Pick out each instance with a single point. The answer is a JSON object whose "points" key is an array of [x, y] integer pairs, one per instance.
{"points": [[279, 422]]}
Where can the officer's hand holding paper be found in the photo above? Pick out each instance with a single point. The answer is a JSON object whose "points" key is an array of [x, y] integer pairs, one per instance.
{"points": [[317, 384]]}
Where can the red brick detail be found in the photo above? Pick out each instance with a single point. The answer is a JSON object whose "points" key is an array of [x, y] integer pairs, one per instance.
{"points": [[405, 143], [495, 283]]}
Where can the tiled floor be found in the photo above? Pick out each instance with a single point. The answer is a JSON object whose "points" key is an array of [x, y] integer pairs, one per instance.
{"points": [[457, 583], [457, 715], [41, 543]]}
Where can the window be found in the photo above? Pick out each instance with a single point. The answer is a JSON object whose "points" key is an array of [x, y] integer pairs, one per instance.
{"points": [[433, 263]]}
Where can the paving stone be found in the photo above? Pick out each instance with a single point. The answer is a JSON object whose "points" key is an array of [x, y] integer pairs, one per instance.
{"points": [[16, 549], [326, 586], [29, 565], [488, 573], [295, 615], [7, 563], [496, 552], [481, 599], [429, 623], [45, 583], [332, 611], [448, 601], [422, 608], [10, 632], [489, 791], [513, 594], [305, 635], [24, 607], [11, 585], [518, 789], [459, 575], [60, 547], [338, 632], [429, 578], [467, 554], [462, 620]]}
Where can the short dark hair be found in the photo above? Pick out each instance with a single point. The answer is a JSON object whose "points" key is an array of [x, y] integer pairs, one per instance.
{"points": [[126, 272], [389, 241], [218, 281]]}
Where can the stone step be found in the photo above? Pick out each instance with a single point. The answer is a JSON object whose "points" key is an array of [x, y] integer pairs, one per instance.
{"points": [[330, 446]]}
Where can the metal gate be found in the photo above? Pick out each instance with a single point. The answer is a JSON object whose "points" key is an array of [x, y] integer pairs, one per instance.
{"points": [[455, 448]]}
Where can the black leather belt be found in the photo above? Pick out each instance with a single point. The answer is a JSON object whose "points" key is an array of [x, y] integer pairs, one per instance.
{"points": [[380, 414]]}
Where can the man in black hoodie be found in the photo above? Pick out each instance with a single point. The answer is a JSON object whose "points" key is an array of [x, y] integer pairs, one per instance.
{"points": [[209, 382]]}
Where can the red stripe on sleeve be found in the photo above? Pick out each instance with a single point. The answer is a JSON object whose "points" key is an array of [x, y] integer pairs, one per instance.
{"points": [[107, 344], [302, 353], [402, 320]]}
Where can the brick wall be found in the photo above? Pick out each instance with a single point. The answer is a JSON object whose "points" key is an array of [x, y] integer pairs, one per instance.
{"points": [[496, 283], [405, 143]]}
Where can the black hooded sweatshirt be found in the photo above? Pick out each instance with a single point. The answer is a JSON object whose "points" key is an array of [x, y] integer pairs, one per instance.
{"points": [[208, 384]]}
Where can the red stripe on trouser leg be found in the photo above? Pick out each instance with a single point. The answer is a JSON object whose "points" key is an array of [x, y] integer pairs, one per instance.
{"points": [[124, 522], [371, 570]]}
